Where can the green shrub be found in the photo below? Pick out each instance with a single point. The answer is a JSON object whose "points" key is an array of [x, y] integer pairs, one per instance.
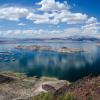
{"points": [[42, 96], [91, 98], [47, 96], [68, 96]]}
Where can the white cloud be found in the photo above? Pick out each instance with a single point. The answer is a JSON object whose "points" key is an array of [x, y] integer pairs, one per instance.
{"points": [[92, 29], [69, 18], [91, 20], [21, 24], [53, 12], [36, 18], [91, 26], [52, 5], [63, 16], [49, 12], [40, 33], [36, 33], [13, 13], [89, 30]]}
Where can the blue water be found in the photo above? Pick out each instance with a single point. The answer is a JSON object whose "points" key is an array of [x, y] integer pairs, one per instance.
{"points": [[67, 66]]}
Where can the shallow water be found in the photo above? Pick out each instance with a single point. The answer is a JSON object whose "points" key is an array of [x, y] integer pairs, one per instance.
{"points": [[61, 65]]}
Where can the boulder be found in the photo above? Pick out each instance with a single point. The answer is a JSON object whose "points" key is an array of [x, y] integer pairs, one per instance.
{"points": [[56, 87]]}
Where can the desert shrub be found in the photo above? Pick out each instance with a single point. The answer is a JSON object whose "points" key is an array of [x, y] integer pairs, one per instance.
{"points": [[68, 96], [42, 96], [47, 96], [91, 98]]}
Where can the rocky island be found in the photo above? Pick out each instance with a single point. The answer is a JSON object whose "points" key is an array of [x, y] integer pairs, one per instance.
{"points": [[16, 86], [48, 48]]}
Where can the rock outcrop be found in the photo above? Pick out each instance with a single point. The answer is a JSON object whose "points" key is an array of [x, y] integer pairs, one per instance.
{"points": [[18, 88], [14, 87], [6, 78], [57, 88]]}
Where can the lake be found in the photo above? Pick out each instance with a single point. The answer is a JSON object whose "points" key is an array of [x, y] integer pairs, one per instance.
{"points": [[66, 66]]}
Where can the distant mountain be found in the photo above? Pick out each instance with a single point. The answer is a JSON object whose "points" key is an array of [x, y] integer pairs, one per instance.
{"points": [[83, 38], [74, 38], [30, 40]]}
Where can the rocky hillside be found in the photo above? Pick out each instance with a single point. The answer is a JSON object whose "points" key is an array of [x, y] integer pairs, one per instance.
{"points": [[15, 86]]}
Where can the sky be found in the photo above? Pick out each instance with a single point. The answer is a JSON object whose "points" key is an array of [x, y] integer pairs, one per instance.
{"points": [[49, 18]]}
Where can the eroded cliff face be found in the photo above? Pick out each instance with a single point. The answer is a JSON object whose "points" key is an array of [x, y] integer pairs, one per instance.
{"points": [[15, 86]]}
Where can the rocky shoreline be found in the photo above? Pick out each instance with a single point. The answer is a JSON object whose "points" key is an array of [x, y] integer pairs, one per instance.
{"points": [[16, 86], [48, 48]]}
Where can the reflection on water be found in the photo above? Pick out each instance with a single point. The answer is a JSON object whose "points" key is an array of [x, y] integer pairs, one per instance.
{"points": [[53, 64]]}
